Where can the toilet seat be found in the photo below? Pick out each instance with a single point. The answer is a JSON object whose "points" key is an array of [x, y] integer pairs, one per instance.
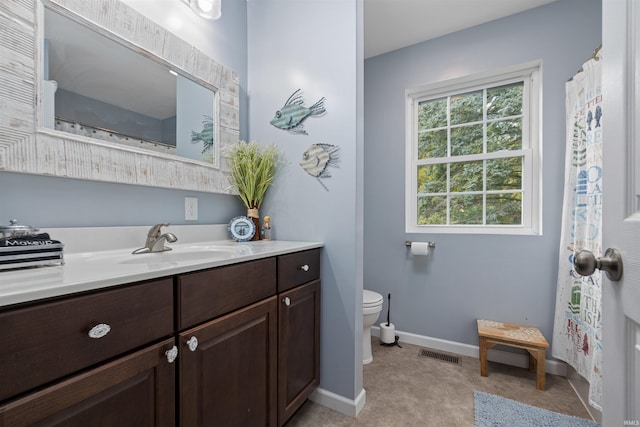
{"points": [[370, 298]]}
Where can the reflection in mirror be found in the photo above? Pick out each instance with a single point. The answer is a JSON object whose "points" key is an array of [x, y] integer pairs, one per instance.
{"points": [[28, 146], [96, 87]]}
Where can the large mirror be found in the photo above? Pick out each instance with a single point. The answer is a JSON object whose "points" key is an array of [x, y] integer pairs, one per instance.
{"points": [[118, 99], [103, 89]]}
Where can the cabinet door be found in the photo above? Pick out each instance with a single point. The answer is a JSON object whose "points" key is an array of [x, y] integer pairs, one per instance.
{"points": [[228, 369], [137, 390], [298, 347]]}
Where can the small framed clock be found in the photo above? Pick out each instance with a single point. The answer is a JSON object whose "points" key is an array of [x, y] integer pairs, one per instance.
{"points": [[242, 229]]}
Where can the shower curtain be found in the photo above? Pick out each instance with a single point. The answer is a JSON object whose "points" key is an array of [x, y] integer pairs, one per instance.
{"points": [[577, 330]]}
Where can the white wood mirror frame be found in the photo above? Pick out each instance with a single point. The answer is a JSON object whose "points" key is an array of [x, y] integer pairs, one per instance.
{"points": [[27, 147]]}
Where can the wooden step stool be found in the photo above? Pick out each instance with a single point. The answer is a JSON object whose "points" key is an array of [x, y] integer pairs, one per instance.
{"points": [[527, 337]]}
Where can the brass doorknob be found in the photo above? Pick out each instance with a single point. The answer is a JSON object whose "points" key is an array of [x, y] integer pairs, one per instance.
{"points": [[586, 263]]}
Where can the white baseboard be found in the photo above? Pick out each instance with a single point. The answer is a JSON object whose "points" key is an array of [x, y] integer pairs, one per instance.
{"points": [[339, 403], [508, 358]]}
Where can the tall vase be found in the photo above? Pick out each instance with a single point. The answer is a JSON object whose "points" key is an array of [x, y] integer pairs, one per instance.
{"points": [[255, 217]]}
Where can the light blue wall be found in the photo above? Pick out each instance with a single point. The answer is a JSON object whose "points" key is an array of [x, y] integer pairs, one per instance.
{"points": [[56, 202], [466, 277], [169, 130], [313, 45], [193, 104], [91, 112], [62, 202]]}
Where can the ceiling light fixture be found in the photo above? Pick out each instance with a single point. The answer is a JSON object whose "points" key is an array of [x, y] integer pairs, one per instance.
{"points": [[209, 9]]}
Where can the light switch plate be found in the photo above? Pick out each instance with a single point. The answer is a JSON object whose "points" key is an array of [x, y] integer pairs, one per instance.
{"points": [[190, 208]]}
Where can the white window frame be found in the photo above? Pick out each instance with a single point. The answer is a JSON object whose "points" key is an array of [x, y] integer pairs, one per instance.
{"points": [[531, 74]]}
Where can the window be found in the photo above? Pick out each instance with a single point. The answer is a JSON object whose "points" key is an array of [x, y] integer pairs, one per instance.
{"points": [[473, 154]]}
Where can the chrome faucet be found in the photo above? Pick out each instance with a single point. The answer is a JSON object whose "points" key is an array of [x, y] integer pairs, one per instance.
{"points": [[156, 241]]}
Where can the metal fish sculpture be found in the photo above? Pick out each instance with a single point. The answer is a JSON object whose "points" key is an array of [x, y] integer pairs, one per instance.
{"points": [[205, 136], [316, 159], [290, 116]]}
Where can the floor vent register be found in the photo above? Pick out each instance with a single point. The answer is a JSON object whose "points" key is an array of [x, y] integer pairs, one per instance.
{"points": [[439, 356]]}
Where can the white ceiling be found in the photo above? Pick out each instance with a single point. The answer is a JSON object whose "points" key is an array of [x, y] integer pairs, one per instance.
{"points": [[394, 24]]}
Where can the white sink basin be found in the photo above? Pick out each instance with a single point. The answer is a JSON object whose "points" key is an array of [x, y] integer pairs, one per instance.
{"points": [[180, 255]]}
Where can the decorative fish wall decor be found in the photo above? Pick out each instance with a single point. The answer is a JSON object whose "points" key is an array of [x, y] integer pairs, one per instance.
{"points": [[291, 115], [316, 159], [205, 136]]}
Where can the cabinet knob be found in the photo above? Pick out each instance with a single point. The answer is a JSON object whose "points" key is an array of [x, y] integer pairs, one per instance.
{"points": [[99, 330], [286, 301], [192, 343], [171, 354], [304, 267]]}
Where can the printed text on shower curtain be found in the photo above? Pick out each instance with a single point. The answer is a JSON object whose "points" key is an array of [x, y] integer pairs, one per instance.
{"points": [[577, 332]]}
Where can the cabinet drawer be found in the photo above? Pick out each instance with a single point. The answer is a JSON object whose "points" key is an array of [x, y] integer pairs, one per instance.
{"points": [[47, 341], [212, 293], [298, 268]]}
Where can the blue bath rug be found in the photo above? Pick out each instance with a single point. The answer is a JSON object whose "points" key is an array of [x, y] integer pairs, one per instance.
{"points": [[496, 411]]}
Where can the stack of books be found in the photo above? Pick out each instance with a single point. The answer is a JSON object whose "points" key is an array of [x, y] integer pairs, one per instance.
{"points": [[30, 251]]}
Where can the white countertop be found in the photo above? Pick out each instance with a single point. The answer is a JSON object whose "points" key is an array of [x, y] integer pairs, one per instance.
{"points": [[84, 271]]}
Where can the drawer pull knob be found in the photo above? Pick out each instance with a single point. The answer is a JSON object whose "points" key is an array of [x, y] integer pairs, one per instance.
{"points": [[192, 343], [171, 354], [304, 267], [286, 301], [99, 331]]}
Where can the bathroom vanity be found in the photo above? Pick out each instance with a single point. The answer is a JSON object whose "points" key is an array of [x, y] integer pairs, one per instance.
{"points": [[228, 340]]}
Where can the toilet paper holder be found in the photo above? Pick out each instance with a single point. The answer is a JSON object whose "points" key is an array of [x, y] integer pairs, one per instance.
{"points": [[408, 244]]}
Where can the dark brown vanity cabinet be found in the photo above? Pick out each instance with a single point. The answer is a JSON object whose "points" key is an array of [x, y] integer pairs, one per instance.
{"points": [[256, 360], [298, 330], [60, 367], [228, 369], [136, 390], [228, 365], [236, 345], [298, 347]]}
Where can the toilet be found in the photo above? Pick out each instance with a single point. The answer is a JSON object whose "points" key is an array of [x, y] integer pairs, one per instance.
{"points": [[371, 307]]}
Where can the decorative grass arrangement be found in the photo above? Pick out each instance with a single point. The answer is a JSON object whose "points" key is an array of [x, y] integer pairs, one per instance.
{"points": [[253, 168]]}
